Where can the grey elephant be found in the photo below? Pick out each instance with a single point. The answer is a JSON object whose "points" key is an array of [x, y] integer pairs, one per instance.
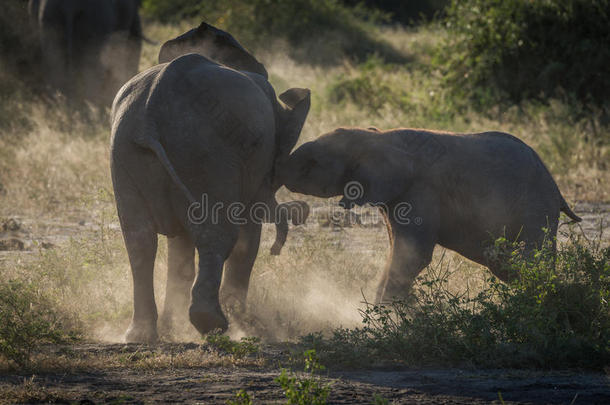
{"points": [[90, 48], [223, 48], [457, 190], [195, 150]]}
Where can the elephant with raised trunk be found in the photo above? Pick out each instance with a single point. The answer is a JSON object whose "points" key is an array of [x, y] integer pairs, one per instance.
{"points": [[185, 129], [90, 48], [457, 190]]}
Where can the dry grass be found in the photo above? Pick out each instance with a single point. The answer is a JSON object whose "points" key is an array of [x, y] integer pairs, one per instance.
{"points": [[89, 357], [29, 391]]}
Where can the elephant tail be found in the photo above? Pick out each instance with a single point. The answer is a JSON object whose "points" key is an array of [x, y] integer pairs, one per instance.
{"points": [[563, 205], [565, 208], [158, 150]]}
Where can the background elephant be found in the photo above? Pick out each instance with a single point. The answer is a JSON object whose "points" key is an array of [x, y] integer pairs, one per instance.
{"points": [[183, 132], [458, 190], [90, 48]]}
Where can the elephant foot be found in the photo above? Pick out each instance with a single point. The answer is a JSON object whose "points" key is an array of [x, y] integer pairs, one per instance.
{"points": [[399, 294], [206, 320], [138, 333]]}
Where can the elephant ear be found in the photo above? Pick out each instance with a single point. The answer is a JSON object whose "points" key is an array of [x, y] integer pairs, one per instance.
{"points": [[292, 118], [383, 174], [214, 44]]}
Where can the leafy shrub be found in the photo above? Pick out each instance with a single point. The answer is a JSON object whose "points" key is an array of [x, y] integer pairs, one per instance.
{"points": [[241, 398], [305, 391], [325, 30], [27, 319], [552, 315], [517, 49]]}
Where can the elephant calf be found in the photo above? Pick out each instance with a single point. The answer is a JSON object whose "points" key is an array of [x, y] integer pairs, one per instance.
{"points": [[457, 190]]}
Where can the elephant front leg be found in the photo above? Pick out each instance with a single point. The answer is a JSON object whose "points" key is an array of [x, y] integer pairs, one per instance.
{"points": [[408, 258], [180, 276], [412, 247]]}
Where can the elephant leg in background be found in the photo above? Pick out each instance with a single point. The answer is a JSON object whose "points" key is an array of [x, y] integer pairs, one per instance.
{"points": [[214, 242], [236, 278], [180, 276], [56, 55], [412, 244], [93, 76], [119, 47]]}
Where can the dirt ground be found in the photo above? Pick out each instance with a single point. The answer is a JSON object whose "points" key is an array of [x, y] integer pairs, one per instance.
{"points": [[126, 378], [214, 384]]}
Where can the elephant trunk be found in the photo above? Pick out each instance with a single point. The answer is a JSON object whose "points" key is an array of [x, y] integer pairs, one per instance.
{"points": [[297, 212]]}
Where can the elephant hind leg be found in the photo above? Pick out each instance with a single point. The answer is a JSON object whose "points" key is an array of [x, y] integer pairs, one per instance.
{"points": [[236, 277], [214, 242], [140, 236], [180, 276], [141, 247]]}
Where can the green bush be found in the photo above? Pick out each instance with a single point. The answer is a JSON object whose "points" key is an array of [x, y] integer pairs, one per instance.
{"points": [[552, 315], [241, 398], [27, 319], [511, 50], [320, 30], [305, 391]]}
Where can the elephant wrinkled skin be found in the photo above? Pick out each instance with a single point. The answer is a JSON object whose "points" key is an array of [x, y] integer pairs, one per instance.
{"points": [[457, 190], [182, 130]]}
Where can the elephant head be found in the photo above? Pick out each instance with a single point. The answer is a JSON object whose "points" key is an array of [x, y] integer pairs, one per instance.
{"points": [[214, 44], [348, 162]]}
